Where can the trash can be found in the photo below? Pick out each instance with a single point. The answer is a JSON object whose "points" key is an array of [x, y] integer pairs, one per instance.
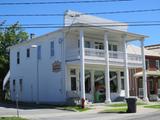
{"points": [[131, 103]]}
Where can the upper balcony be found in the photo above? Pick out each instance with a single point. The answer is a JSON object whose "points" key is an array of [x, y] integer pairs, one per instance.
{"points": [[97, 56]]}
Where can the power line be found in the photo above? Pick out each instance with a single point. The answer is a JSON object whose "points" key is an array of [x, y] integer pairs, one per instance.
{"points": [[61, 2], [86, 26], [102, 23], [91, 13]]}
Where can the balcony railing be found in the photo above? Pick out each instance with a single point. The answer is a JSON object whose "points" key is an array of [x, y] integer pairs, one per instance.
{"points": [[112, 54], [91, 53]]}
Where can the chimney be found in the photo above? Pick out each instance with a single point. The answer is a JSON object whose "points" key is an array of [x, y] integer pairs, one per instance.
{"points": [[32, 35]]}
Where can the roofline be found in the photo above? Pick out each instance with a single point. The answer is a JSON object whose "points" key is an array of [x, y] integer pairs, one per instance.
{"points": [[81, 25], [152, 45], [78, 25], [34, 39]]}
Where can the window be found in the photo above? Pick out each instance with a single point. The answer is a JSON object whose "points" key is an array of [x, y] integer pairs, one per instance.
{"points": [[157, 64], [28, 53], [147, 64], [21, 85], [112, 47], [87, 44], [14, 85], [73, 72], [39, 52], [122, 84], [73, 83], [99, 45], [18, 57], [122, 74], [159, 83], [52, 48]]}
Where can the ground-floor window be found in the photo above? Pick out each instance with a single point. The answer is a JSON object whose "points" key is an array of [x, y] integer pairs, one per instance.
{"points": [[159, 83], [87, 81], [122, 83]]}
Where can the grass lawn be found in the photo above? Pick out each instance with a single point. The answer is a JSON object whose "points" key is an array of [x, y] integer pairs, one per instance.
{"points": [[116, 110], [12, 118], [76, 108], [124, 104], [153, 106]]}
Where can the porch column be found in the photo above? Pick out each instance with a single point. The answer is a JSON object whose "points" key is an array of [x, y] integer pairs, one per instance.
{"points": [[145, 98], [119, 82], [82, 72], [92, 84], [107, 78], [126, 77]]}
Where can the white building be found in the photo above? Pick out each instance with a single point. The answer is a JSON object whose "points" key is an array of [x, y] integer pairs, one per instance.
{"points": [[75, 62]]}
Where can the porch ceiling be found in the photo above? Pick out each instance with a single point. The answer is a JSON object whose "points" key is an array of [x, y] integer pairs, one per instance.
{"points": [[98, 32]]}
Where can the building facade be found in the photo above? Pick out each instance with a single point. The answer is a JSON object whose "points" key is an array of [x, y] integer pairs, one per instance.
{"points": [[81, 60]]}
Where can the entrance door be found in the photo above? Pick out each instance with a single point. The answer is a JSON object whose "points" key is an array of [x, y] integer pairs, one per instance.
{"points": [[113, 82], [151, 87], [99, 83], [74, 81]]}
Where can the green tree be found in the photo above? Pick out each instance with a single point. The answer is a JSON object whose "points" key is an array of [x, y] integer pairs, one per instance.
{"points": [[9, 36]]}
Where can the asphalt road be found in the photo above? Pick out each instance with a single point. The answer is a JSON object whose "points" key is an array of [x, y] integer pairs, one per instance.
{"points": [[56, 114], [105, 116]]}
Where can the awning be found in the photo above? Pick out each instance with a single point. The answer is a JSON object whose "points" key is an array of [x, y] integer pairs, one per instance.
{"points": [[149, 73]]}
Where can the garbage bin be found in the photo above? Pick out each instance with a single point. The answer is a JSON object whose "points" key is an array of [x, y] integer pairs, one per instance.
{"points": [[131, 103]]}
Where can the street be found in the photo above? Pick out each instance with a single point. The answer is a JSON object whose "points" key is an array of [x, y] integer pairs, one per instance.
{"points": [[94, 114]]}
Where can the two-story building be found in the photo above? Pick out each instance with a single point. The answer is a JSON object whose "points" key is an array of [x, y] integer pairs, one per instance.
{"points": [[82, 60], [152, 72]]}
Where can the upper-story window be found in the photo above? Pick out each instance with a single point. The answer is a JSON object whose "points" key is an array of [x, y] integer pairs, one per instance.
{"points": [[87, 44], [52, 48], [39, 52], [157, 64], [18, 57], [147, 64], [112, 47], [28, 53], [99, 45]]}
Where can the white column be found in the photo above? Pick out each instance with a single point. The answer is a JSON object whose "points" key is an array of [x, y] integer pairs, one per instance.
{"points": [[145, 98], [107, 78], [82, 72], [126, 77], [92, 85], [119, 82]]}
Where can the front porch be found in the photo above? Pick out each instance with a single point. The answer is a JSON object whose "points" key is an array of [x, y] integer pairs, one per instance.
{"points": [[106, 50], [153, 85], [95, 91]]}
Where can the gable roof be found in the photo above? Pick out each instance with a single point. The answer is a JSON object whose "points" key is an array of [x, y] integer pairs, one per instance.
{"points": [[137, 50]]}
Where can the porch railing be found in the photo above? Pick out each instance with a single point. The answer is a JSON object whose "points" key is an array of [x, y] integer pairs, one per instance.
{"points": [[91, 52], [97, 53]]}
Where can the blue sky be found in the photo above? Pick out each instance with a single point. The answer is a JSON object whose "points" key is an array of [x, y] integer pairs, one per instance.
{"points": [[152, 31]]}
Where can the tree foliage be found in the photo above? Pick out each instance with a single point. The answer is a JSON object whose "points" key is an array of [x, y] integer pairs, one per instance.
{"points": [[8, 36]]}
